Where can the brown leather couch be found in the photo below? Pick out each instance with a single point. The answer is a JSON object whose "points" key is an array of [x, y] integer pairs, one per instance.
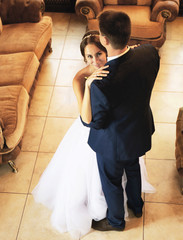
{"points": [[148, 17], [24, 35], [179, 146]]}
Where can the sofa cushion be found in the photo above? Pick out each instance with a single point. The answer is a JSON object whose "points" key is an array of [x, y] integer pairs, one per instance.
{"points": [[142, 27], [13, 112], [26, 37], [128, 2], [1, 26], [18, 68]]}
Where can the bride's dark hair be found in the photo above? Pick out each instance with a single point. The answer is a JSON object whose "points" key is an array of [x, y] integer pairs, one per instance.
{"points": [[91, 37]]}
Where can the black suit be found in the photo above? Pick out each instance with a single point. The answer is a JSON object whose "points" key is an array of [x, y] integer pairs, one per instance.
{"points": [[122, 125]]}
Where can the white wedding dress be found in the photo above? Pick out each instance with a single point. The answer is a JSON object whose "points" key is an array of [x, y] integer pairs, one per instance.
{"points": [[70, 186]]}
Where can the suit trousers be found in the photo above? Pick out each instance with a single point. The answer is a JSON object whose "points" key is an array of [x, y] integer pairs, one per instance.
{"points": [[111, 172]]}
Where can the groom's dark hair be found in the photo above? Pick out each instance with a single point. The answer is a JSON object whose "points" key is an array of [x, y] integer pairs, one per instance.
{"points": [[116, 26]]}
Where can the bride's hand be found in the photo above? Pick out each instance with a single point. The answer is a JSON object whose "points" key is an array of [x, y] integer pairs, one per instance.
{"points": [[97, 75]]}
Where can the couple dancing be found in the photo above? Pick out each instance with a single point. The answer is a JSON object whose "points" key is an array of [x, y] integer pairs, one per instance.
{"points": [[97, 172]]}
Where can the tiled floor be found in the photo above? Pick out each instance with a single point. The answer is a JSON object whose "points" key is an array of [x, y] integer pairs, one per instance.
{"points": [[52, 111]]}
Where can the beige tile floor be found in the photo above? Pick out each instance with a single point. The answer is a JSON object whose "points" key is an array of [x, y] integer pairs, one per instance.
{"points": [[52, 111]]}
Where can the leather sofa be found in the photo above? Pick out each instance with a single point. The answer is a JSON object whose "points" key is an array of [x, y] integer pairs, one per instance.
{"points": [[25, 34], [179, 147], [148, 17]]}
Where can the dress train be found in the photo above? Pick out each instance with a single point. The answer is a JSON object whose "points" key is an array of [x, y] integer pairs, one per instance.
{"points": [[70, 185]]}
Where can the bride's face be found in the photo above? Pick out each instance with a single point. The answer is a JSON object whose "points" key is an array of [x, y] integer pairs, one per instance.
{"points": [[95, 56]]}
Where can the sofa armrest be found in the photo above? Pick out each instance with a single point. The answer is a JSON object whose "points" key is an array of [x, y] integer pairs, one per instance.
{"points": [[168, 9], [88, 8], [14, 101], [21, 11]]}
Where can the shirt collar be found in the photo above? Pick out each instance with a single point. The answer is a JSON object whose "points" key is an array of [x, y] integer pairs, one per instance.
{"points": [[114, 57]]}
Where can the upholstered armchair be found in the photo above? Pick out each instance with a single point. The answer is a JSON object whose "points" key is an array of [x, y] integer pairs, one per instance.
{"points": [[179, 146], [148, 17]]}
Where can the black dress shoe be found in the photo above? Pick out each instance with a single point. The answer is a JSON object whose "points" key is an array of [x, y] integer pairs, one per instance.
{"points": [[137, 214], [103, 225]]}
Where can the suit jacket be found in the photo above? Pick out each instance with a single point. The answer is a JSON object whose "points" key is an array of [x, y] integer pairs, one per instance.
{"points": [[122, 121]]}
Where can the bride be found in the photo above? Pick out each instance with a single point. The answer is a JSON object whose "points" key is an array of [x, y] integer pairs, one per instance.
{"points": [[70, 186]]}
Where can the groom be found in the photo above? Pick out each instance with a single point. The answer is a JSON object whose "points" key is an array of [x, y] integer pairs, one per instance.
{"points": [[122, 121]]}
